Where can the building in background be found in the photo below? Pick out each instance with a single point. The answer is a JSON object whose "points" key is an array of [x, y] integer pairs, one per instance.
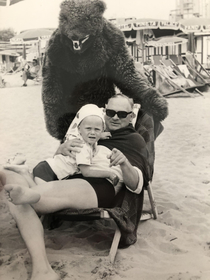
{"points": [[190, 8], [195, 11]]}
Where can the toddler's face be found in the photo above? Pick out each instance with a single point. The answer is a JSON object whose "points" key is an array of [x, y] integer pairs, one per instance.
{"points": [[91, 128]]}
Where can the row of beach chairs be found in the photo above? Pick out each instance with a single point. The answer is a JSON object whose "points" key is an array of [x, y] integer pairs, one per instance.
{"points": [[177, 75]]}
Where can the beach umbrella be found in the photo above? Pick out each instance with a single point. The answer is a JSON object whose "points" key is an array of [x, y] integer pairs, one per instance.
{"points": [[9, 52], [196, 25], [166, 41], [9, 2], [32, 36]]}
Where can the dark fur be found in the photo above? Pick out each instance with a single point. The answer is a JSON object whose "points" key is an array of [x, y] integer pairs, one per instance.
{"points": [[74, 78]]}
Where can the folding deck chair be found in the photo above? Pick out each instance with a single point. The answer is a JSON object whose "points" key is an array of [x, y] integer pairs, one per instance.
{"points": [[177, 59], [126, 219], [183, 73], [169, 83], [196, 69]]}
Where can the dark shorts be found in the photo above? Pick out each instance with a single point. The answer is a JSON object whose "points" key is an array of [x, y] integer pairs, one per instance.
{"points": [[28, 75], [43, 171], [104, 189]]}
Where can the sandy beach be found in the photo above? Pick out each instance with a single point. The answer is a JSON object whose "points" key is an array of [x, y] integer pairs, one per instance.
{"points": [[176, 246]]}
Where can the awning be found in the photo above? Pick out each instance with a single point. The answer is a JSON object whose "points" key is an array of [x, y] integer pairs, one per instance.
{"points": [[144, 23], [197, 25], [10, 2], [166, 41], [9, 52]]}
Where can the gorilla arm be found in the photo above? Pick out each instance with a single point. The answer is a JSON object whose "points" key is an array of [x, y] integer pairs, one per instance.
{"points": [[133, 83], [56, 120]]}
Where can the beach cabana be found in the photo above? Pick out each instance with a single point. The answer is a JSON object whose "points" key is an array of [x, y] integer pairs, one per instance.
{"points": [[139, 32], [197, 30], [37, 37], [7, 59]]}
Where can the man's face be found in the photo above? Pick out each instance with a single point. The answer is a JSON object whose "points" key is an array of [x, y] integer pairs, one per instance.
{"points": [[118, 104], [91, 128]]}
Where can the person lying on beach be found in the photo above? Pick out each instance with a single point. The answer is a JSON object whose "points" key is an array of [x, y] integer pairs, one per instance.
{"points": [[87, 126], [128, 151], [30, 73]]}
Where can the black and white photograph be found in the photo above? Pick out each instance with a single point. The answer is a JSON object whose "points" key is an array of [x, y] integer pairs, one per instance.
{"points": [[104, 139]]}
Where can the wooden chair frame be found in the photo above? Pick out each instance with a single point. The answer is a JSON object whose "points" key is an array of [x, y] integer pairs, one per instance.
{"points": [[103, 214]]}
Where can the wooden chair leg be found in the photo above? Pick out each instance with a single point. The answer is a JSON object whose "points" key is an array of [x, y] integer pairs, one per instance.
{"points": [[152, 201], [115, 244]]}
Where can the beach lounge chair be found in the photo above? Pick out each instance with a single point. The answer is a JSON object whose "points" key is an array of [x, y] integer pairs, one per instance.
{"points": [[128, 213], [181, 70], [199, 73], [157, 59], [177, 59], [171, 81], [168, 83]]}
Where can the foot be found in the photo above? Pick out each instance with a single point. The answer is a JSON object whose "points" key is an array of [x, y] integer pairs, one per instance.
{"points": [[17, 159], [2, 180], [24, 85], [20, 195], [49, 275], [20, 169]]}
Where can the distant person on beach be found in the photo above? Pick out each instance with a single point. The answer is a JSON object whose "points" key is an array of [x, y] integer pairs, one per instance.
{"points": [[30, 73], [2, 82], [87, 126]]}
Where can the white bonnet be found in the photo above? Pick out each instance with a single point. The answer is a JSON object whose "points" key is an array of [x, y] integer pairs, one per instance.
{"points": [[85, 111], [89, 110]]}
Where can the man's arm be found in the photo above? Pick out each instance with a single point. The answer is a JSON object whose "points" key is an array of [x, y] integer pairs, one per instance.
{"points": [[130, 174], [74, 145], [129, 80], [90, 171]]}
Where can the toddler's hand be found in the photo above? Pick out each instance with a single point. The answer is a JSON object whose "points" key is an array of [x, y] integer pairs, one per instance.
{"points": [[105, 135]]}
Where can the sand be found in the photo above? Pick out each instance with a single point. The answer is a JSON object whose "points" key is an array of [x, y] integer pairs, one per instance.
{"points": [[176, 246]]}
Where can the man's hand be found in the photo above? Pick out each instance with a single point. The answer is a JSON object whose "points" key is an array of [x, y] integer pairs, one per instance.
{"points": [[69, 146], [116, 158]]}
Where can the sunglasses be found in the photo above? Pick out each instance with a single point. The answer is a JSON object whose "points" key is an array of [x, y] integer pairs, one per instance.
{"points": [[120, 114]]}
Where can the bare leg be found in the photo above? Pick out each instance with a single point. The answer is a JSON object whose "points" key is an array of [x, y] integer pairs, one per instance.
{"points": [[38, 180], [31, 231], [2, 180], [23, 170], [24, 77], [57, 195]]}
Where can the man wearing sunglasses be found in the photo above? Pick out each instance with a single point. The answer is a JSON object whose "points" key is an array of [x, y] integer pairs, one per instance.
{"points": [[128, 146], [118, 112]]}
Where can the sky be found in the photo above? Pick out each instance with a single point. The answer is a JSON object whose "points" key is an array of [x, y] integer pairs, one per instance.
{"points": [[44, 13]]}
